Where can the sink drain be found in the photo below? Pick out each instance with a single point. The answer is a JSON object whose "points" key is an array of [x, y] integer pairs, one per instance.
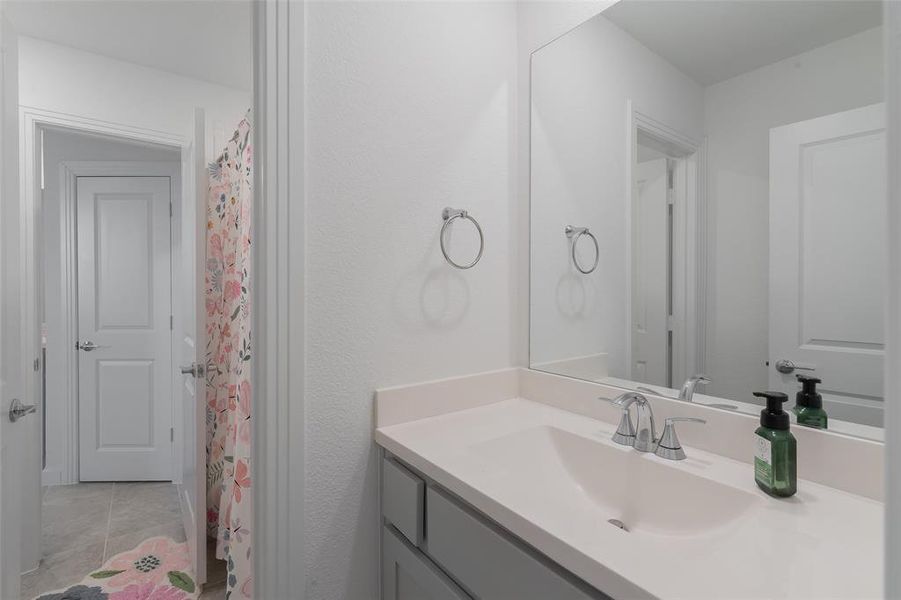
{"points": [[618, 523]]}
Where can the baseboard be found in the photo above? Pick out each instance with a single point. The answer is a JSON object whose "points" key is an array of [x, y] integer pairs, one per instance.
{"points": [[52, 477]]}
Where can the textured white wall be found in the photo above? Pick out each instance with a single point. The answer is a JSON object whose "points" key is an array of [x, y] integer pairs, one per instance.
{"points": [[60, 146], [739, 114], [410, 107], [580, 88]]}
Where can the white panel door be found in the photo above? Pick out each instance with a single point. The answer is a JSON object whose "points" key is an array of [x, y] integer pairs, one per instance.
{"points": [[827, 257], [650, 274], [13, 435], [191, 347], [124, 308]]}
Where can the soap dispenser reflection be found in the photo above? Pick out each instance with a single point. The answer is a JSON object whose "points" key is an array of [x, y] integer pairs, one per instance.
{"points": [[809, 404]]}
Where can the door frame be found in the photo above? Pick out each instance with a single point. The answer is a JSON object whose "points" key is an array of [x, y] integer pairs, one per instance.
{"points": [[689, 268], [69, 171], [278, 297], [29, 204], [892, 375]]}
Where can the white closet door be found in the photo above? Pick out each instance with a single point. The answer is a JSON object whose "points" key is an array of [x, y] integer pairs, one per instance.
{"points": [[124, 308], [191, 347], [827, 257]]}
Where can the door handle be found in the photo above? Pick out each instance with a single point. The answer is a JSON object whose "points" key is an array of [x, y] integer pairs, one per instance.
{"points": [[17, 410], [88, 346], [786, 366], [193, 369]]}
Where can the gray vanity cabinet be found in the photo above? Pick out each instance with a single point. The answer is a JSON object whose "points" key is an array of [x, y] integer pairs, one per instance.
{"points": [[408, 574], [434, 546]]}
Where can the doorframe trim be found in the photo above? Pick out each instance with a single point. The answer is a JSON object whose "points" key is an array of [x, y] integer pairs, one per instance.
{"points": [[278, 299], [892, 364], [69, 171]]}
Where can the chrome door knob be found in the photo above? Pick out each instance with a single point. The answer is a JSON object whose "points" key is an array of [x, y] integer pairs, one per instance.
{"points": [[88, 346], [17, 410], [786, 366], [194, 369]]}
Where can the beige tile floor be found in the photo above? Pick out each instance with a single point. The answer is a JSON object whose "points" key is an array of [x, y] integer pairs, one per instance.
{"points": [[85, 524]]}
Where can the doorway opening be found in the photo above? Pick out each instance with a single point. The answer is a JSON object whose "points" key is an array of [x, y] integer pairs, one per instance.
{"points": [[104, 257]]}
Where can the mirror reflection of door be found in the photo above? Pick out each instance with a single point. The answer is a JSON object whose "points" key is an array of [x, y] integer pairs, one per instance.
{"points": [[651, 258], [827, 258]]}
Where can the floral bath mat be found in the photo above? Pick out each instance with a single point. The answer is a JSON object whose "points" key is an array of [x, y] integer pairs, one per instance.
{"points": [[158, 569]]}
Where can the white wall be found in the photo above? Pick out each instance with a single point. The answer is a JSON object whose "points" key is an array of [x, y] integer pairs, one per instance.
{"points": [[410, 107], [739, 114], [70, 81], [60, 146], [580, 87]]}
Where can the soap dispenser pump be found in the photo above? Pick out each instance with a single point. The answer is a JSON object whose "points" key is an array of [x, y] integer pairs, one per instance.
{"points": [[775, 456], [809, 404]]}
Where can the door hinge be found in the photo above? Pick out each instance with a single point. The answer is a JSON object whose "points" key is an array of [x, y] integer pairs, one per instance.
{"points": [[171, 322], [171, 210], [172, 434], [37, 364]]}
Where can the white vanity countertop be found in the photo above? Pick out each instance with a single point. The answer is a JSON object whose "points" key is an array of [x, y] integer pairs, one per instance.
{"points": [[529, 467]]}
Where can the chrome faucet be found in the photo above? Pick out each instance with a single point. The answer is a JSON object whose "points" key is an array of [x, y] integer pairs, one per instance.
{"points": [[644, 436], [688, 388]]}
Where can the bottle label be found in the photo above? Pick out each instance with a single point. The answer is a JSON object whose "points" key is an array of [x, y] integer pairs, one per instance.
{"points": [[763, 461]]}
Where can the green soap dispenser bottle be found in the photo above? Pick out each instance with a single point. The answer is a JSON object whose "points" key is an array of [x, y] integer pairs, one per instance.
{"points": [[809, 404], [775, 456]]}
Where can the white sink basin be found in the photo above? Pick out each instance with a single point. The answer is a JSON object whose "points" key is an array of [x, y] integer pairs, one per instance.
{"points": [[644, 493]]}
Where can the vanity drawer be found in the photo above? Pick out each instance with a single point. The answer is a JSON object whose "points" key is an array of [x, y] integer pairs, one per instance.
{"points": [[403, 500], [489, 562]]}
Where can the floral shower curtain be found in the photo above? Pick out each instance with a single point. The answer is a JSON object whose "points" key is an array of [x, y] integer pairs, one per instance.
{"points": [[228, 391]]}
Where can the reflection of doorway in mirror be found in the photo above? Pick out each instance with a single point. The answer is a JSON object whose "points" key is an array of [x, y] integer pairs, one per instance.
{"points": [[663, 265]]}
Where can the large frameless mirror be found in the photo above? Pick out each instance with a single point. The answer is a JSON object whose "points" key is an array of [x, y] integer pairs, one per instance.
{"points": [[708, 203]]}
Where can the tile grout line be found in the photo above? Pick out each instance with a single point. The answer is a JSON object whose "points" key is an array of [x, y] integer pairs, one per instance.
{"points": [[109, 520]]}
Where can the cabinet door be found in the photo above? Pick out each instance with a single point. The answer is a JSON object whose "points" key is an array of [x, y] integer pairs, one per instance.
{"points": [[407, 574], [489, 562]]}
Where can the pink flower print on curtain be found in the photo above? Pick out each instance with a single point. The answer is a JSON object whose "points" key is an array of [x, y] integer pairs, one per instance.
{"points": [[228, 393]]}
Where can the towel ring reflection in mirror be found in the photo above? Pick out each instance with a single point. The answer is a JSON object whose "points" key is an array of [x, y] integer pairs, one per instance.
{"points": [[449, 214], [574, 233]]}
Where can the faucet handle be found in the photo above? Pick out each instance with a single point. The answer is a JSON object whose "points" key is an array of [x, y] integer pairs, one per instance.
{"points": [[625, 432], [669, 446]]}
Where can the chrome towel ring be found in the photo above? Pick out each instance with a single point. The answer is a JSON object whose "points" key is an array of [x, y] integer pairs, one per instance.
{"points": [[449, 214], [574, 233]]}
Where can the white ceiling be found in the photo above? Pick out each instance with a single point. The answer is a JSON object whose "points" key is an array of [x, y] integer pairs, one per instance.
{"points": [[203, 39], [711, 41]]}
